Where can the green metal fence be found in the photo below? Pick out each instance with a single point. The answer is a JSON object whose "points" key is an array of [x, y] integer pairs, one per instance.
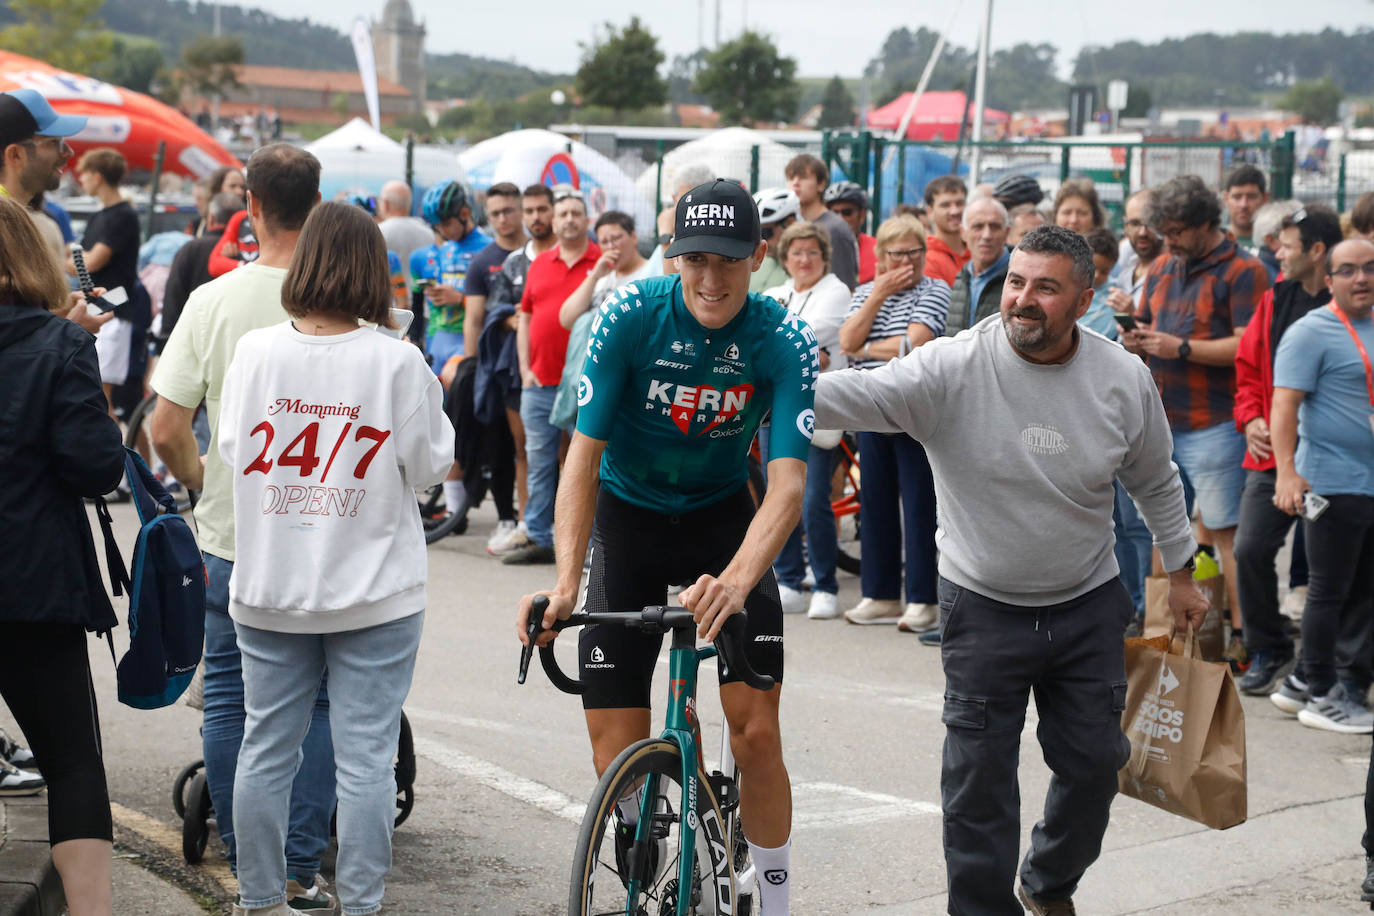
{"points": [[892, 169], [1117, 169]]}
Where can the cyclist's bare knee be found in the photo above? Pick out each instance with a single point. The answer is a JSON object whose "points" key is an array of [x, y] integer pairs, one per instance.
{"points": [[613, 730], [755, 737]]}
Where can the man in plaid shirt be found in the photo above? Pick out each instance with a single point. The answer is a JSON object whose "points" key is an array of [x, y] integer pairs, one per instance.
{"points": [[1194, 305]]}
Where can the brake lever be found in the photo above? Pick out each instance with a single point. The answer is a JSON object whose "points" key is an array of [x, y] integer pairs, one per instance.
{"points": [[532, 628]]}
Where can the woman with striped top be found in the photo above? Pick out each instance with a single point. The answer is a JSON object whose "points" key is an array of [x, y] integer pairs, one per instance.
{"points": [[899, 310]]}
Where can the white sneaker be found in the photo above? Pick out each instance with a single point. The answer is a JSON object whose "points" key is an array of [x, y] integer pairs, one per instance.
{"points": [[15, 782], [280, 909], [919, 618], [1295, 603], [809, 582], [516, 538], [824, 606], [793, 601], [874, 610], [503, 531]]}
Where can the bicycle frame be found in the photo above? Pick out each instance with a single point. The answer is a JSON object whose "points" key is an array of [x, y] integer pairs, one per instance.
{"points": [[682, 727]]}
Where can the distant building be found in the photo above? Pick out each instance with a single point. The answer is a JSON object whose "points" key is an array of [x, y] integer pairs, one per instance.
{"points": [[306, 95], [398, 43]]}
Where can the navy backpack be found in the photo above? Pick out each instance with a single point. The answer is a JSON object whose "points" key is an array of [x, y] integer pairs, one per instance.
{"points": [[166, 594]]}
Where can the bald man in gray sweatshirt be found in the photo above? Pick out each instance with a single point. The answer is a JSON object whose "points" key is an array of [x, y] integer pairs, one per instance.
{"points": [[1027, 419]]}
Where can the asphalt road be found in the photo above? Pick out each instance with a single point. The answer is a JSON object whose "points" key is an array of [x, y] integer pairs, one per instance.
{"points": [[505, 770]]}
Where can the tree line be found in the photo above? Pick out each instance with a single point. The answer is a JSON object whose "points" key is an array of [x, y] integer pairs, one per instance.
{"points": [[160, 45]]}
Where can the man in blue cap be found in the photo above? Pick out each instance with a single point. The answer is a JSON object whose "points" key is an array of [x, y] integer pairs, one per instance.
{"points": [[33, 144], [33, 151]]}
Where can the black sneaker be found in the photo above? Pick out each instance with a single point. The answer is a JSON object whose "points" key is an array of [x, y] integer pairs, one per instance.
{"points": [[624, 840], [1265, 671], [530, 555], [1367, 888], [14, 753], [930, 637]]}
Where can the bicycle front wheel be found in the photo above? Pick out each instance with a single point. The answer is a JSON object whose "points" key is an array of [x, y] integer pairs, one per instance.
{"points": [[597, 884]]}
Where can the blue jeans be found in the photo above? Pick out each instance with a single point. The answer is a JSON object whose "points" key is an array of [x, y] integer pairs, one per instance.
{"points": [[312, 794], [541, 455], [1134, 544], [369, 674], [818, 522], [896, 471]]}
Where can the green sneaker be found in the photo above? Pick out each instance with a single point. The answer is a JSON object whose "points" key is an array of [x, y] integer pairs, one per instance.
{"points": [[309, 899]]}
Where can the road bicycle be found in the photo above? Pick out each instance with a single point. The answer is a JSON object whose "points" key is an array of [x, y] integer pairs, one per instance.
{"points": [[688, 855]]}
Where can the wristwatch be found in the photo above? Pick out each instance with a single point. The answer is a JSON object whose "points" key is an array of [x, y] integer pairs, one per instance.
{"points": [[1184, 349], [1191, 565], [665, 238]]}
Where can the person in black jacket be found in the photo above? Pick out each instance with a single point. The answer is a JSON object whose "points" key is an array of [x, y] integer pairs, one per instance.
{"points": [[191, 267], [57, 445]]}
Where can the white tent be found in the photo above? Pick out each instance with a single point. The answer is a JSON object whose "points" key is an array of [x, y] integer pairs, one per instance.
{"points": [[357, 159], [728, 153], [528, 157]]}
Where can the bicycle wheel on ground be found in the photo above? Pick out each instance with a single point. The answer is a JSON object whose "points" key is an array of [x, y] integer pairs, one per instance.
{"points": [[597, 885], [136, 437], [438, 522]]}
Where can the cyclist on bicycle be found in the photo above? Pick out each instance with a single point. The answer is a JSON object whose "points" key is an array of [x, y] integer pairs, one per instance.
{"points": [[680, 372]]}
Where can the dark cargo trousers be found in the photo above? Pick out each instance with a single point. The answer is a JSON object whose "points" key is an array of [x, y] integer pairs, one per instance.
{"points": [[994, 656]]}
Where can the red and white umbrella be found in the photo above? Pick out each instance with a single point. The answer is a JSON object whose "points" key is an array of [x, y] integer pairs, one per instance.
{"points": [[128, 121]]}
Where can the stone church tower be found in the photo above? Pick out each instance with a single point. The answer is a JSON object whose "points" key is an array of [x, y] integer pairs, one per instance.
{"points": [[398, 42]]}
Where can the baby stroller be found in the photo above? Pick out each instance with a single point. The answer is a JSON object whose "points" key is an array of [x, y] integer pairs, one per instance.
{"points": [[191, 797]]}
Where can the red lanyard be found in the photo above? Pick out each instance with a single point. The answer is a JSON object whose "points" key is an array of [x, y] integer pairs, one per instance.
{"points": [[1359, 345]]}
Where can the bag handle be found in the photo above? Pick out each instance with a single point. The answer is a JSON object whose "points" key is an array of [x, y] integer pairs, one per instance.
{"points": [[1190, 648], [1142, 754]]}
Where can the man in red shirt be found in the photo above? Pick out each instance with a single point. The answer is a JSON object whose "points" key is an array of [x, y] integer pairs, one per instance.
{"points": [[945, 248], [542, 345], [849, 201]]}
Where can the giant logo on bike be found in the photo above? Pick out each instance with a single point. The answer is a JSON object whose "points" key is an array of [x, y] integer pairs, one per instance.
{"points": [[702, 408]]}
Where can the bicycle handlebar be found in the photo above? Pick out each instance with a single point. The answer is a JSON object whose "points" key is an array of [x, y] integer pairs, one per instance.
{"points": [[654, 620]]}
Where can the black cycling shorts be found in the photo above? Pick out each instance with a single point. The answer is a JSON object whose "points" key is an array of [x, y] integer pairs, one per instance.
{"points": [[636, 554]]}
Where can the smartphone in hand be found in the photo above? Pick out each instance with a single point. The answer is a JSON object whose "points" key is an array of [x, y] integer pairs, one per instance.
{"points": [[1125, 322], [1313, 506]]}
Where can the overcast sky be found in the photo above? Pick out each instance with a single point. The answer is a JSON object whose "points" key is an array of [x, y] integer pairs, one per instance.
{"points": [[827, 37]]}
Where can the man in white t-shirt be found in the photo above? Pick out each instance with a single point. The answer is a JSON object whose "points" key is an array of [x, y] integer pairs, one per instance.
{"points": [[283, 185], [403, 233]]}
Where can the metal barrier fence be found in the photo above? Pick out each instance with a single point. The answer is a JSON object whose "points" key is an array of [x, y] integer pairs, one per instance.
{"points": [[896, 172], [1116, 169]]}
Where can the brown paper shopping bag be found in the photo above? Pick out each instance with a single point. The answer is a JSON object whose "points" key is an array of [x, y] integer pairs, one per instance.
{"points": [[1187, 732], [1159, 620]]}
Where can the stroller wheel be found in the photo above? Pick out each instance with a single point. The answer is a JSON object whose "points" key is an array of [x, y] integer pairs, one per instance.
{"points": [[179, 787], [405, 800], [195, 825]]}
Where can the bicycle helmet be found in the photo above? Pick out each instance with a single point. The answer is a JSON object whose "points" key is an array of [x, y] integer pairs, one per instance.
{"points": [[1014, 190], [848, 191], [365, 201], [776, 204], [444, 201]]}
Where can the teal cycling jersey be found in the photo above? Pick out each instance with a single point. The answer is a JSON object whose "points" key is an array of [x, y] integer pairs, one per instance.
{"points": [[678, 403]]}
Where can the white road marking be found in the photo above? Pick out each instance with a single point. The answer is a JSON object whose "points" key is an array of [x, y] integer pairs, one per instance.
{"points": [[817, 804], [491, 725], [536, 794]]}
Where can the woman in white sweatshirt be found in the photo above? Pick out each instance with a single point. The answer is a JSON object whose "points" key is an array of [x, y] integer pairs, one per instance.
{"points": [[329, 426]]}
